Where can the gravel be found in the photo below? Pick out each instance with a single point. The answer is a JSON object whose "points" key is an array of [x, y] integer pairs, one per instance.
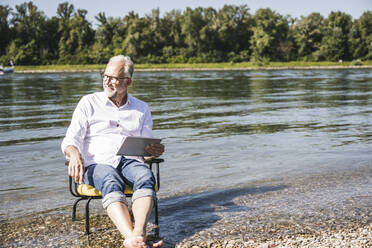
{"points": [[332, 210]]}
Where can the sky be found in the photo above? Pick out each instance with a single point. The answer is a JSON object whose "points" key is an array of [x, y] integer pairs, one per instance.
{"points": [[119, 8]]}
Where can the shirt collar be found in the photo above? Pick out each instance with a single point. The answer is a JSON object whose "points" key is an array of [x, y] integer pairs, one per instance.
{"points": [[110, 103]]}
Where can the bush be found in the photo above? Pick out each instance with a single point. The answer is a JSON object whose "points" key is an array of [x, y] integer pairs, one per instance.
{"points": [[261, 61], [356, 62], [178, 59]]}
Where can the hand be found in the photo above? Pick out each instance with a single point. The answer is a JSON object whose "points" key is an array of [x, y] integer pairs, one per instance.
{"points": [[75, 165], [155, 149]]}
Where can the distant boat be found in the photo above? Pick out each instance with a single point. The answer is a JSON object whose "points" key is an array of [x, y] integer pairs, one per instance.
{"points": [[7, 69]]}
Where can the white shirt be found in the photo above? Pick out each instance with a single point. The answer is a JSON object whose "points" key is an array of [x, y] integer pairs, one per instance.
{"points": [[98, 127]]}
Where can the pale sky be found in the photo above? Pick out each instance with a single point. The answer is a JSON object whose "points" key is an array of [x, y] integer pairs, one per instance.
{"points": [[119, 8]]}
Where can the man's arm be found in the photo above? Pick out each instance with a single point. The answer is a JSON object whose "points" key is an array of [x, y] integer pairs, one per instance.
{"points": [[76, 163], [155, 150], [73, 142]]}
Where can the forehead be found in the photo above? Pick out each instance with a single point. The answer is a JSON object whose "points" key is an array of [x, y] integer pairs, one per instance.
{"points": [[115, 68]]}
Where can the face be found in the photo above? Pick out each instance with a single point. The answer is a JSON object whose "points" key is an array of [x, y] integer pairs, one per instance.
{"points": [[115, 69]]}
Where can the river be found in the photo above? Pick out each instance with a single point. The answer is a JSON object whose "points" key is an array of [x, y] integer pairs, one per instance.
{"points": [[222, 129]]}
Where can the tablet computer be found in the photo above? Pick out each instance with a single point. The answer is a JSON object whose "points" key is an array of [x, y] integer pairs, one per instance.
{"points": [[135, 146]]}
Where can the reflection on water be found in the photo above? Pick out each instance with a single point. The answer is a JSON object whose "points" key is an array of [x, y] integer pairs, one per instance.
{"points": [[221, 129]]}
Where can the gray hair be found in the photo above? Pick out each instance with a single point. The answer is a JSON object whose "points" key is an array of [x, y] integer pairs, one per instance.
{"points": [[128, 63]]}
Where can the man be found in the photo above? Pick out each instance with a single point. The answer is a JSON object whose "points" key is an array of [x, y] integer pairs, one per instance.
{"points": [[98, 125]]}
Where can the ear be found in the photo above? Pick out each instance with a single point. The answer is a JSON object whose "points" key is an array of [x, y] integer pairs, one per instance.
{"points": [[129, 82]]}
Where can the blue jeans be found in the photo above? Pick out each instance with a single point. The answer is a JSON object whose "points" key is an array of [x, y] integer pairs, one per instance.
{"points": [[112, 181]]}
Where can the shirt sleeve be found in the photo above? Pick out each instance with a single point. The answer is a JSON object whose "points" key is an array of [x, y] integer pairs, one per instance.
{"points": [[78, 127], [147, 124]]}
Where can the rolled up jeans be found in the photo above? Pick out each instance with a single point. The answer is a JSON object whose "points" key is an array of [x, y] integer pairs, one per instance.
{"points": [[112, 181]]}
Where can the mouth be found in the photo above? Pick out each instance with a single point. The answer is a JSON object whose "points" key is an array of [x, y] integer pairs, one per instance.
{"points": [[109, 87]]}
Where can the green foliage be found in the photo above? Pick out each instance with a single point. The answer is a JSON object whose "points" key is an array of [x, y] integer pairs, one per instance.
{"points": [[308, 34], [335, 44], [200, 35], [4, 29], [269, 35], [356, 62]]}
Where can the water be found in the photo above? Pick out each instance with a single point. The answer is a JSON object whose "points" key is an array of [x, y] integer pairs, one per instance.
{"points": [[221, 129]]}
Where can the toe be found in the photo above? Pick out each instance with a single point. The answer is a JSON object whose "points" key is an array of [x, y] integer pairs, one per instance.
{"points": [[158, 244]]}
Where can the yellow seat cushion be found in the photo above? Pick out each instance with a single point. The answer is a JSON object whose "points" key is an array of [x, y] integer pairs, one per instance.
{"points": [[87, 190]]}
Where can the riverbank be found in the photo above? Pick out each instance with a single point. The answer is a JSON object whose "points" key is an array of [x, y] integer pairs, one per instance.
{"points": [[59, 231], [200, 67], [318, 210]]}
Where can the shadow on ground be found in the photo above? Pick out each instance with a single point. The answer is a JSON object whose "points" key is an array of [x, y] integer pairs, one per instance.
{"points": [[183, 216]]}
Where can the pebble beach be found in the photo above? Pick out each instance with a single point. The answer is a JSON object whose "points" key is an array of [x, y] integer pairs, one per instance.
{"points": [[311, 211]]}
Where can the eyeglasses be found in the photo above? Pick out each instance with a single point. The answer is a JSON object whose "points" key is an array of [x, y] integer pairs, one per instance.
{"points": [[112, 79]]}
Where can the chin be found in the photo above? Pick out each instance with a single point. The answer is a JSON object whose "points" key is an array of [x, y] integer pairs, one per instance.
{"points": [[110, 93]]}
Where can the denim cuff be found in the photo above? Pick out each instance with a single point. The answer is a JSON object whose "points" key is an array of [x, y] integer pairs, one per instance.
{"points": [[143, 193], [116, 196]]}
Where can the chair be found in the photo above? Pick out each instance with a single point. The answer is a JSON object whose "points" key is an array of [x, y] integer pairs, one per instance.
{"points": [[87, 192]]}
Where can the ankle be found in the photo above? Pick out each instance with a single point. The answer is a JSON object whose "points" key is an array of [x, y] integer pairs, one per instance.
{"points": [[139, 232]]}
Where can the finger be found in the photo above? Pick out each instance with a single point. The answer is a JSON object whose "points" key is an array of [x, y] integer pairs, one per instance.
{"points": [[81, 177], [148, 148], [69, 169], [76, 171], [72, 169]]}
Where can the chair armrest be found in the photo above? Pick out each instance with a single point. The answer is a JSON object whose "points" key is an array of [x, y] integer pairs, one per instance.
{"points": [[157, 161], [154, 160]]}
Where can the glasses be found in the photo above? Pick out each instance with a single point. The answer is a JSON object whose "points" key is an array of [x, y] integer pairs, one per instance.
{"points": [[112, 79]]}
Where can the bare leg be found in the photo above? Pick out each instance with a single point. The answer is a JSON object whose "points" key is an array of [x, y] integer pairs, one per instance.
{"points": [[119, 214], [141, 211]]}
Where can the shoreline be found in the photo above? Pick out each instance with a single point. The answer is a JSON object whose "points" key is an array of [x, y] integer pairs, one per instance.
{"points": [[262, 68], [57, 231], [318, 210]]}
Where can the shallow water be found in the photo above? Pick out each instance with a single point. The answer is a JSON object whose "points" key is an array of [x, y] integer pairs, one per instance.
{"points": [[222, 129]]}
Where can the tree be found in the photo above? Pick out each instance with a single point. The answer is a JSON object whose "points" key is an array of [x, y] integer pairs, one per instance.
{"points": [[190, 36], [29, 45], [234, 27], [108, 37], [365, 28], [191, 25], [308, 34], [269, 31], [4, 29], [335, 45], [76, 34]]}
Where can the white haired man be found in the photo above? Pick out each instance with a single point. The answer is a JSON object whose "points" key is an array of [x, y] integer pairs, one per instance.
{"points": [[98, 125]]}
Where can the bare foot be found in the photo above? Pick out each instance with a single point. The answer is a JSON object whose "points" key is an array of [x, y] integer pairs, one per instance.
{"points": [[149, 243], [135, 242], [157, 244]]}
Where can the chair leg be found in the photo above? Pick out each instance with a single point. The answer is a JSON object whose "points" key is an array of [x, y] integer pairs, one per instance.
{"points": [[156, 219], [74, 208], [87, 216]]}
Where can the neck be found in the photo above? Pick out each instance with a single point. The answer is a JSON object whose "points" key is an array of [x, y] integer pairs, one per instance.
{"points": [[119, 100]]}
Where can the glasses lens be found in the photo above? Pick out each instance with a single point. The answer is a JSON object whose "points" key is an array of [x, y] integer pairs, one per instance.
{"points": [[111, 79]]}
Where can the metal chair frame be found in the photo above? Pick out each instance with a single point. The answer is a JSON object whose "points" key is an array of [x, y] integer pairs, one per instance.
{"points": [[74, 191]]}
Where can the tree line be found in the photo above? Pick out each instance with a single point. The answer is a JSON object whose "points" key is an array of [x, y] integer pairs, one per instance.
{"points": [[199, 35]]}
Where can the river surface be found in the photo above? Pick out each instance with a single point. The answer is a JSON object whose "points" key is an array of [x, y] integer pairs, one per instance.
{"points": [[222, 129]]}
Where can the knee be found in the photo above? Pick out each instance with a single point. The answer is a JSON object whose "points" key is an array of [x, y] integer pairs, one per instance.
{"points": [[112, 183], [145, 180], [112, 197]]}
